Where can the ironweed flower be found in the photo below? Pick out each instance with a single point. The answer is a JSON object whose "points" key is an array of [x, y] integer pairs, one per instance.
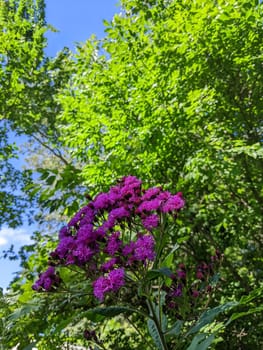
{"points": [[111, 283], [47, 281], [98, 238], [151, 222]]}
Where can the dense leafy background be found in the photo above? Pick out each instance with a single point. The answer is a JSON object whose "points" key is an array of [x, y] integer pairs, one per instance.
{"points": [[173, 95]]}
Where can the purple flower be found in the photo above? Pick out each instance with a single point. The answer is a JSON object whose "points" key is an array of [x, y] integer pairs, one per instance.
{"points": [[195, 293], [150, 193], [112, 283], [109, 265], [128, 249], [118, 214], [132, 181], [92, 230], [75, 220], [130, 195], [88, 217], [47, 280], [150, 222], [102, 201], [164, 195], [47, 283], [64, 232], [114, 195], [144, 248], [172, 305], [100, 287], [83, 253], [176, 291], [84, 216], [151, 205], [200, 275], [66, 245], [173, 203], [90, 335], [181, 274], [100, 233], [70, 259], [86, 234], [115, 215], [130, 189], [116, 278], [114, 243]]}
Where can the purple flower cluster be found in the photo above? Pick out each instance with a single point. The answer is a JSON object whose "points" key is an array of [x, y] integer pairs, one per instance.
{"points": [[95, 239], [48, 280], [111, 283], [190, 285]]}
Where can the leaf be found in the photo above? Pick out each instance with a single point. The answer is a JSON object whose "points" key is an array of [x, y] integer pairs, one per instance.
{"points": [[155, 273], [201, 342], [175, 329], [110, 311], [164, 323], [169, 258], [24, 310], [253, 295], [162, 319], [153, 330], [244, 313], [209, 316]]}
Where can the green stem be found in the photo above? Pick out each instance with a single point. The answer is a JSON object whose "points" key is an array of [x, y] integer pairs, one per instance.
{"points": [[160, 245]]}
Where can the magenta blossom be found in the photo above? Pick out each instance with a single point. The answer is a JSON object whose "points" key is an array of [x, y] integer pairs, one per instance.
{"points": [[100, 237], [173, 203], [144, 248], [111, 283], [47, 281], [114, 243], [151, 222]]}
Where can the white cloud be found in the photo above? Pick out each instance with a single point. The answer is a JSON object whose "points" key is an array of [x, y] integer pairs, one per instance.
{"points": [[14, 236], [3, 240]]}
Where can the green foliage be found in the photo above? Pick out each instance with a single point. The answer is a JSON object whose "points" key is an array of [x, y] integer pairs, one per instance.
{"points": [[172, 94], [28, 107], [12, 203]]}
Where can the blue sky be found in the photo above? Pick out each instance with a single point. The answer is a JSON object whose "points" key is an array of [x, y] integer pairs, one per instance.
{"points": [[76, 21]]}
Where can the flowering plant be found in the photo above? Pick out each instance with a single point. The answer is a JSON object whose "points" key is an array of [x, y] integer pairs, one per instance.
{"points": [[124, 242]]}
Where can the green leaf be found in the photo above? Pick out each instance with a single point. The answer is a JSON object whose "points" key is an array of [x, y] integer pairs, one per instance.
{"points": [[155, 273], [169, 258], [175, 329], [201, 342], [209, 315], [23, 311], [110, 311], [256, 293], [153, 330], [237, 315]]}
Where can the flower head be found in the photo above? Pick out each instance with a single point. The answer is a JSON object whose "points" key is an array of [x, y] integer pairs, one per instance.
{"points": [[111, 283], [99, 237], [144, 248], [102, 201], [47, 281], [150, 222], [114, 243], [173, 203]]}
